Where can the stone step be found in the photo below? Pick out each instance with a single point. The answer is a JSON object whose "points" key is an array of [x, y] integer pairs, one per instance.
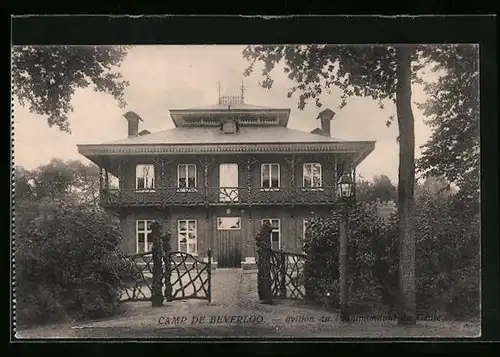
{"points": [[249, 265]]}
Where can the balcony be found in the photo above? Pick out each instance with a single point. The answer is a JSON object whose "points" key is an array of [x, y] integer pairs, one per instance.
{"points": [[216, 196]]}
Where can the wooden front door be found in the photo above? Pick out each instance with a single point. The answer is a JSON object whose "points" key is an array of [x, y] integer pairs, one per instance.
{"points": [[229, 242]]}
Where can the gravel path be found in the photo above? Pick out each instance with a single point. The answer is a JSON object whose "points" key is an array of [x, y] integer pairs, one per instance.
{"points": [[236, 312]]}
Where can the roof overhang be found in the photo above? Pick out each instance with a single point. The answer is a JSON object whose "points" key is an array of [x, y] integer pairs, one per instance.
{"points": [[179, 115], [360, 149]]}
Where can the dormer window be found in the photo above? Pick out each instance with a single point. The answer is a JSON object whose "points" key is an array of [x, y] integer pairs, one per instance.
{"points": [[229, 127]]}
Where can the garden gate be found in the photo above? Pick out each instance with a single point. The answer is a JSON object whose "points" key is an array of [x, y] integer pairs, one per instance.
{"points": [[281, 274], [287, 274], [182, 275]]}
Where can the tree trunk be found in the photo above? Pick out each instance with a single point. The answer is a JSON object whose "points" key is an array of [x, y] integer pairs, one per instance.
{"points": [[407, 305]]}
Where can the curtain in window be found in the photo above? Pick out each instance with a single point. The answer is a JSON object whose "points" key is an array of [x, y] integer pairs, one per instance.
{"points": [[187, 236], [270, 175], [145, 175], [312, 175]]}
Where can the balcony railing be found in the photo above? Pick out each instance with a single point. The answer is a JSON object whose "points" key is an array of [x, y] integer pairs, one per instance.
{"points": [[218, 196]]}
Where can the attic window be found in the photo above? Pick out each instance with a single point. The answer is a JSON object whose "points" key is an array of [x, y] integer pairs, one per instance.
{"points": [[229, 127]]}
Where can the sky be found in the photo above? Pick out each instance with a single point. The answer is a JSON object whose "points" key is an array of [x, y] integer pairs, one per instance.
{"points": [[176, 77]]}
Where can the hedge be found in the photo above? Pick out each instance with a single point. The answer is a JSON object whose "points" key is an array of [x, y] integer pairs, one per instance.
{"points": [[68, 261], [447, 257]]}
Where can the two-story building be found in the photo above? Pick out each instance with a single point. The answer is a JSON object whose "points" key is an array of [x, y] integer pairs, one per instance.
{"points": [[219, 174]]}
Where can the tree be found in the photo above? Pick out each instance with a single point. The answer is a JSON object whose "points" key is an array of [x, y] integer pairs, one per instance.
{"points": [[59, 179], [45, 77], [382, 73], [363, 190], [380, 189], [23, 183], [452, 152], [383, 189]]}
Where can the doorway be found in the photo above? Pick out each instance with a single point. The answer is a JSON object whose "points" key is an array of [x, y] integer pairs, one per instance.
{"points": [[228, 242]]}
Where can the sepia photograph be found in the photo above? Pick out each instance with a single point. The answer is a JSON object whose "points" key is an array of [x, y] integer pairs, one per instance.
{"points": [[246, 191]]}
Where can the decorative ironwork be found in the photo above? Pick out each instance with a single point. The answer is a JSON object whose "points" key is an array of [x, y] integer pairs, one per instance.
{"points": [[190, 277], [287, 274], [154, 197], [137, 286], [229, 99], [219, 196], [187, 277]]}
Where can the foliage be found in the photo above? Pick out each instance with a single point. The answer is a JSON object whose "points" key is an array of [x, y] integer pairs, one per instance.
{"points": [[46, 77], [447, 264], [367, 71], [380, 72], [57, 179], [371, 244], [452, 108], [68, 261], [380, 189], [448, 250]]}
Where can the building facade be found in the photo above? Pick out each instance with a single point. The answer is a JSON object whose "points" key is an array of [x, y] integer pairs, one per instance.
{"points": [[219, 174]]}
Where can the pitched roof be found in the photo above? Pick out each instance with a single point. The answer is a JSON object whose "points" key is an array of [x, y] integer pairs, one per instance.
{"points": [[212, 135]]}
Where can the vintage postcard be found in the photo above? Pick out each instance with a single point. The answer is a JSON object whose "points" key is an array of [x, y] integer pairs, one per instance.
{"points": [[173, 191]]}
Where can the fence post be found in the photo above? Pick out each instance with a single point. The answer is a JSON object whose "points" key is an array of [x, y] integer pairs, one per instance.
{"points": [[310, 272], [264, 283], [209, 275], [156, 294], [282, 273], [167, 260]]}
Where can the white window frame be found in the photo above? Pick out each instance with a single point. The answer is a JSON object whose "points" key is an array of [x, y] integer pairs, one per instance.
{"points": [[274, 229], [186, 168], [262, 177], [312, 188], [228, 229], [147, 187], [147, 233], [187, 234]]}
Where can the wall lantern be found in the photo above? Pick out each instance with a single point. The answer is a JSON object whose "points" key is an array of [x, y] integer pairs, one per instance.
{"points": [[345, 186]]}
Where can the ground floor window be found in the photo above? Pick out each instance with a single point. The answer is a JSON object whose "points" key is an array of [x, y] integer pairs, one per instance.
{"points": [[275, 233], [187, 236], [144, 242]]}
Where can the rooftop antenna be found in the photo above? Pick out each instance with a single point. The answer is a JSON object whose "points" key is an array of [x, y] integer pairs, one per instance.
{"points": [[242, 92], [218, 87]]}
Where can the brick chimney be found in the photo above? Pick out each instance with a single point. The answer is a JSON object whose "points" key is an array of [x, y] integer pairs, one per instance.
{"points": [[326, 116], [133, 123]]}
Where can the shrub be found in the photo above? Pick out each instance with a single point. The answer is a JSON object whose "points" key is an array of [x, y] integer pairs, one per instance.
{"points": [[447, 256], [68, 261], [369, 258]]}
